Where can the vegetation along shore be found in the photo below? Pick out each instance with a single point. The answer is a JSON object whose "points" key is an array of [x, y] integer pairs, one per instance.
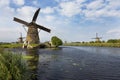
{"points": [[109, 43]]}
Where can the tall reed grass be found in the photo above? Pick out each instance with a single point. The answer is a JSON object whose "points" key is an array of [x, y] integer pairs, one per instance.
{"points": [[12, 67]]}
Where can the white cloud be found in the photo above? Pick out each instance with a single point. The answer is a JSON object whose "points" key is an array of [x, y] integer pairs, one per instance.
{"points": [[35, 2], [97, 4], [69, 9], [101, 13], [6, 16], [80, 1], [99, 9], [62, 0], [94, 9], [19, 2], [49, 18], [113, 4], [47, 10], [4, 3]]}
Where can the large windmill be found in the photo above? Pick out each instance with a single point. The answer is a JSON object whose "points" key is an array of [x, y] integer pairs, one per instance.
{"points": [[32, 33], [97, 39]]}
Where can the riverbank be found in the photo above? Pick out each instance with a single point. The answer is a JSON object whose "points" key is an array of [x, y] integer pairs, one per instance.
{"points": [[46, 45], [94, 44], [10, 45], [20, 45]]}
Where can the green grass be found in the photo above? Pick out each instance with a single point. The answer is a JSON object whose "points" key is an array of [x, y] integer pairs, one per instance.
{"points": [[19, 45], [10, 45], [94, 44], [34, 45], [12, 67]]}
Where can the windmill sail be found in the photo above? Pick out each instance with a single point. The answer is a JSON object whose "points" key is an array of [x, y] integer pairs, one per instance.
{"points": [[35, 15], [21, 21], [43, 28]]}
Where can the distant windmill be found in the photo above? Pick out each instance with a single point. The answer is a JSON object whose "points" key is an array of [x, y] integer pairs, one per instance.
{"points": [[20, 39], [32, 33], [97, 39]]}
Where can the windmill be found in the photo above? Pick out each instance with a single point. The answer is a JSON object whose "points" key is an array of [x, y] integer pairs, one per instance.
{"points": [[97, 39], [32, 33], [20, 39]]}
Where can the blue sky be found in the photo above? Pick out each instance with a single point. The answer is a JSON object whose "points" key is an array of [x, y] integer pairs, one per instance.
{"points": [[70, 20]]}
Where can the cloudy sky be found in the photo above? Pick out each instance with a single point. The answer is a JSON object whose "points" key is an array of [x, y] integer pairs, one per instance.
{"points": [[70, 20]]}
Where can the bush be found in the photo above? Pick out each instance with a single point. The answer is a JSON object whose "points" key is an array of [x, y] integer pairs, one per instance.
{"points": [[56, 41]]}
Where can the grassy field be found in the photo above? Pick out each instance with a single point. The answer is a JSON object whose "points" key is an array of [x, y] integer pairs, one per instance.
{"points": [[15, 45], [94, 44]]}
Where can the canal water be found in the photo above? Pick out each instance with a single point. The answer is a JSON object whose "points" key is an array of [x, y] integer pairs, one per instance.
{"points": [[75, 63]]}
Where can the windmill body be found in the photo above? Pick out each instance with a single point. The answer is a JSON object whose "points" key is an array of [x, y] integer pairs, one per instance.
{"points": [[97, 39], [20, 39], [32, 33]]}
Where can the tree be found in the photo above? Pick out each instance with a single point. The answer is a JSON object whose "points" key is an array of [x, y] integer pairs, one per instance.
{"points": [[56, 41]]}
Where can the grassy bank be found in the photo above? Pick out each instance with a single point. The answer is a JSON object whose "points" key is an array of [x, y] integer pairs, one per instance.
{"points": [[19, 45], [10, 45], [12, 66], [94, 44]]}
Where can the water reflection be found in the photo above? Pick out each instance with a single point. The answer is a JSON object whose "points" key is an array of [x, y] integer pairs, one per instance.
{"points": [[32, 62], [39, 61]]}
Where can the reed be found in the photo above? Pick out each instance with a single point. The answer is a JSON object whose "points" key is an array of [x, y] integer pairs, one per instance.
{"points": [[12, 67]]}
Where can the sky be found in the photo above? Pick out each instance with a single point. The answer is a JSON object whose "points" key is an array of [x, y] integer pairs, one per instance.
{"points": [[70, 20]]}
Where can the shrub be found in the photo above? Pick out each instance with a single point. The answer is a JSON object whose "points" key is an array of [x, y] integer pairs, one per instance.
{"points": [[56, 41]]}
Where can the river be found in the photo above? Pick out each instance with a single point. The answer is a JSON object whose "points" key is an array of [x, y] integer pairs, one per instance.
{"points": [[75, 63]]}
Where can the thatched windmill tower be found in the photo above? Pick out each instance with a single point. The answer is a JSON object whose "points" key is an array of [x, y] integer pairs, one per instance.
{"points": [[32, 33], [97, 39]]}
